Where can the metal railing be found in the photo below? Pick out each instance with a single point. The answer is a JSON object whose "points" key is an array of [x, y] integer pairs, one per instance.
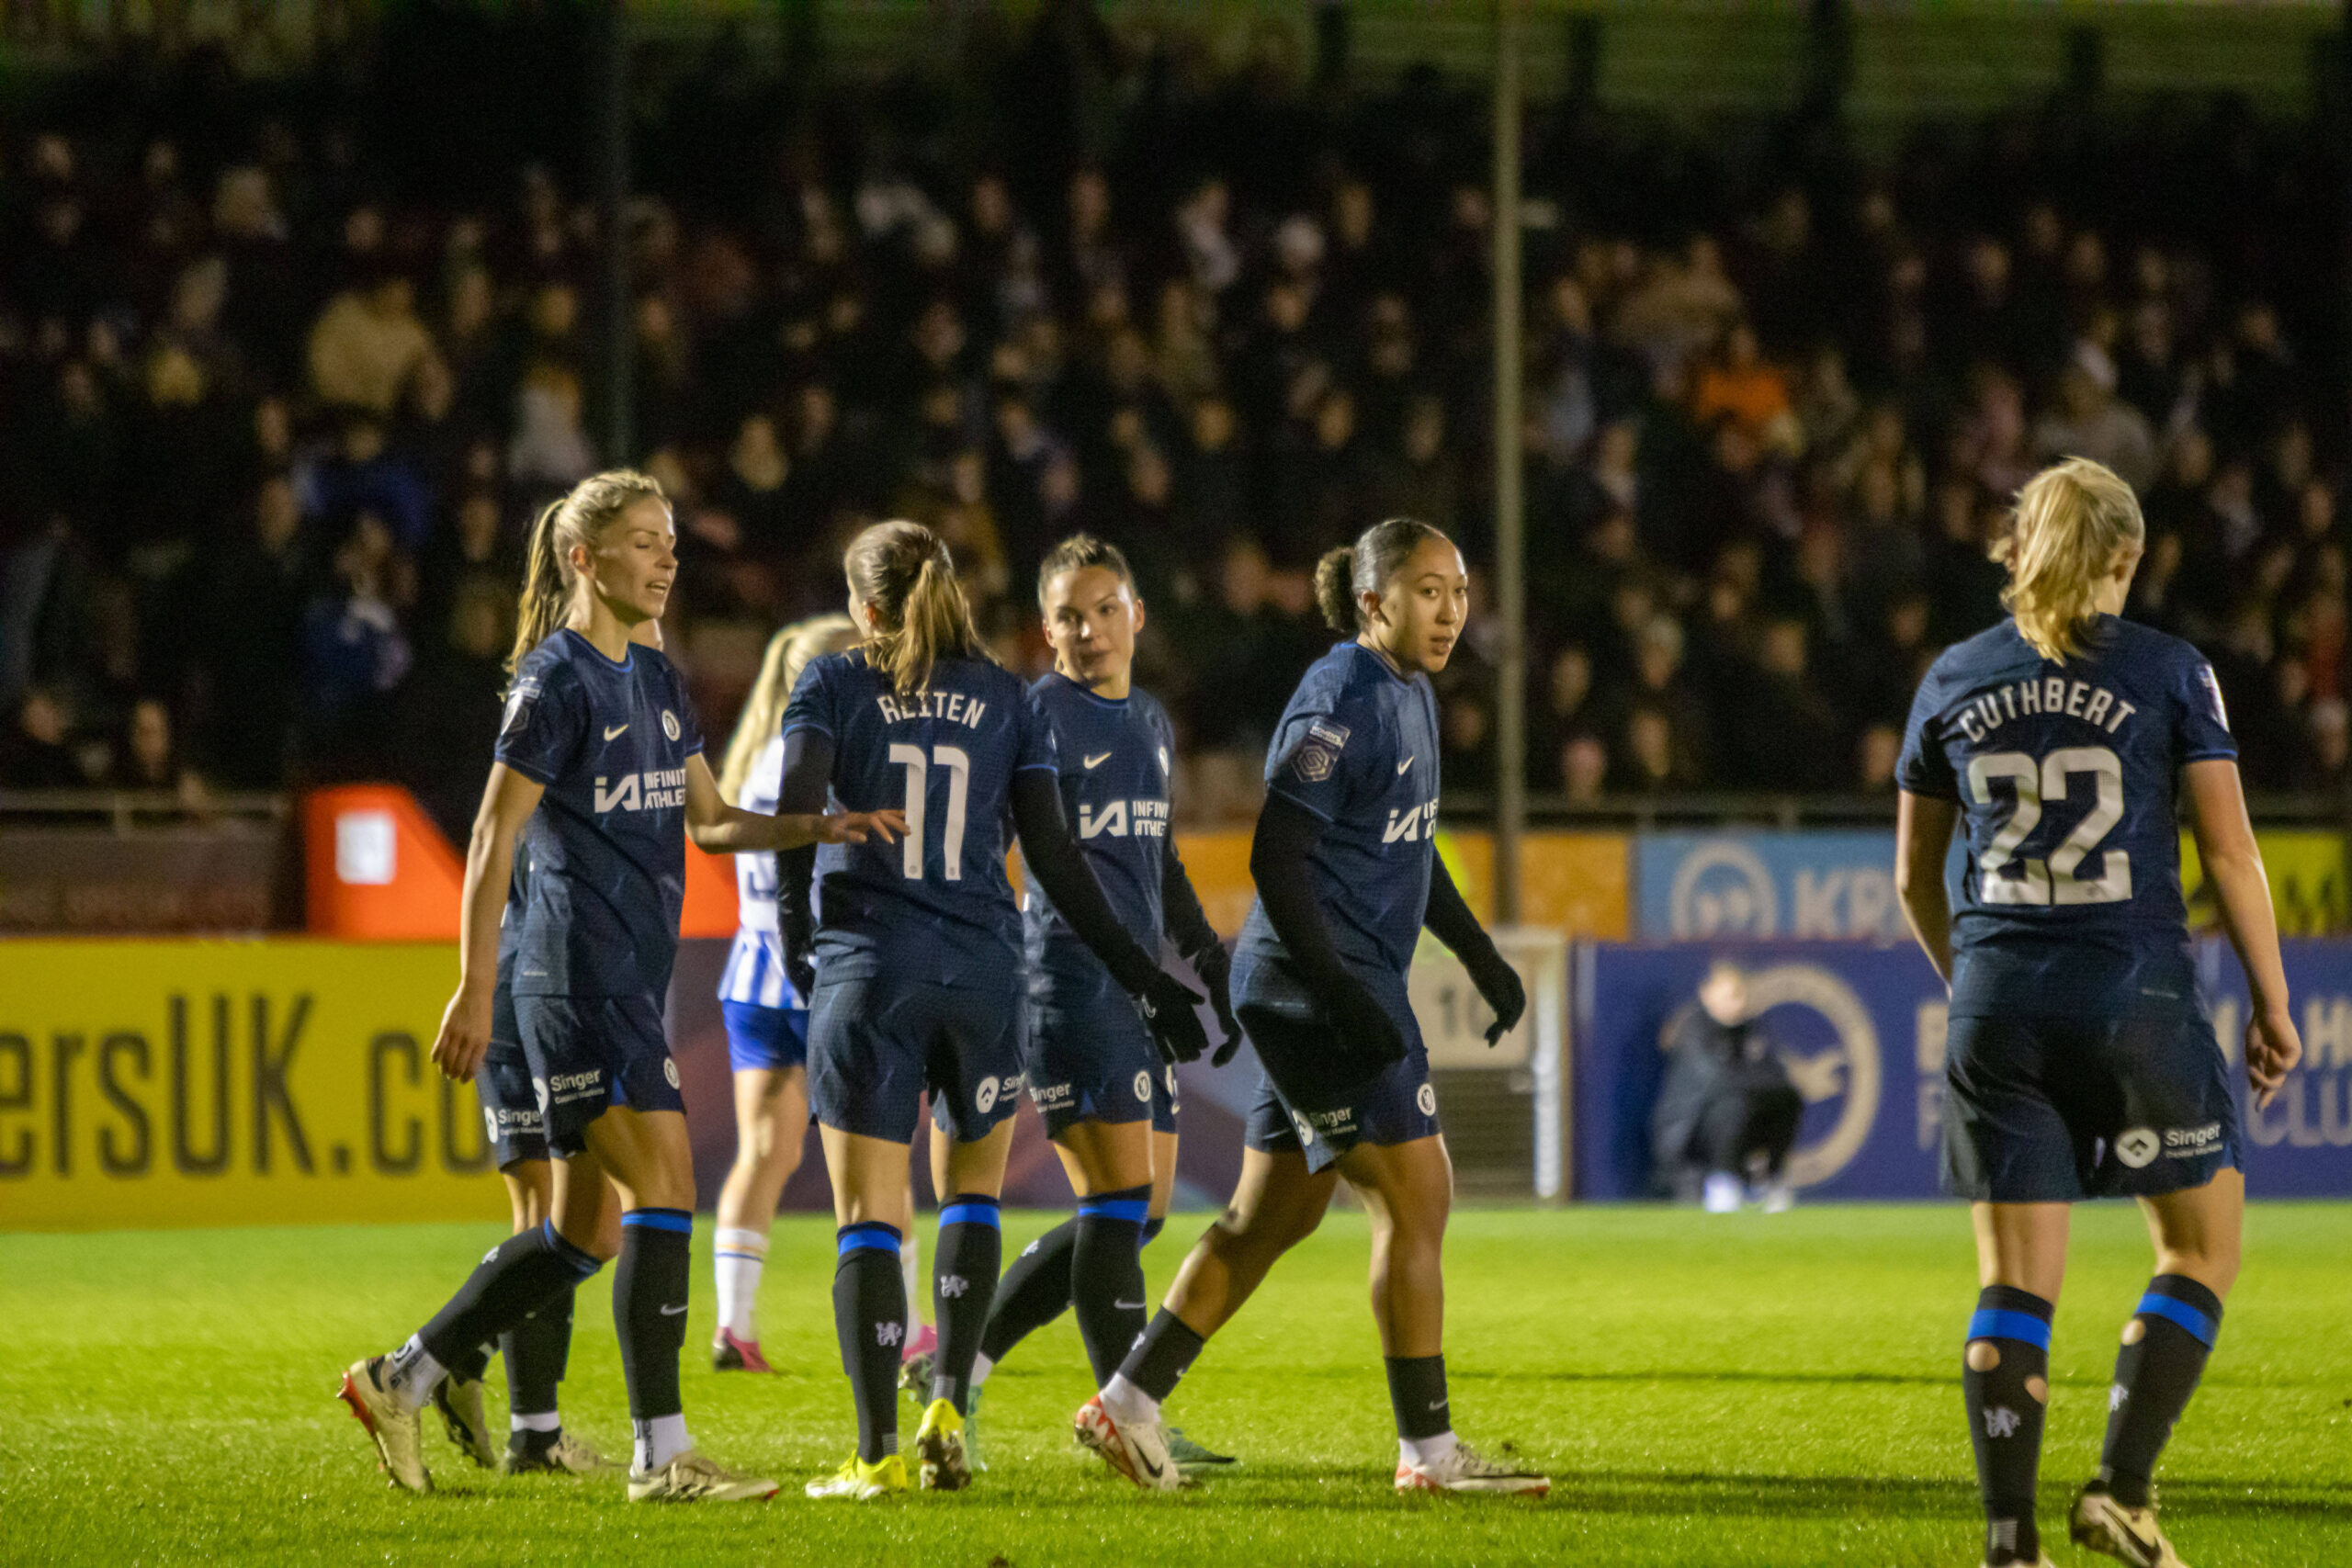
{"points": [[126, 811]]}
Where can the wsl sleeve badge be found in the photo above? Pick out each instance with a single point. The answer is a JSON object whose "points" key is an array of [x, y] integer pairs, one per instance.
{"points": [[1319, 753], [519, 704], [2213, 692]]}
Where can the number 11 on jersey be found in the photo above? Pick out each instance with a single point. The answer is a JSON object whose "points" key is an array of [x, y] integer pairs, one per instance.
{"points": [[958, 765]]}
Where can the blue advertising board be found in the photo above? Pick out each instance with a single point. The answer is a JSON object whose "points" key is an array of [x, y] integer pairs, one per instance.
{"points": [[1766, 887], [1861, 1029]]}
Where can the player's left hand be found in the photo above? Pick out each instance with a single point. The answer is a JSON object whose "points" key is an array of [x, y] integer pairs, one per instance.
{"points": [[856, 826], [1498, 983], [2272, 1049], [1167, 1006], [1214, 966]]}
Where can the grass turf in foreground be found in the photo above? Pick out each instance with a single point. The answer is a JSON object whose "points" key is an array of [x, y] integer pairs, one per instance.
{"points": [[1753, 1390]]}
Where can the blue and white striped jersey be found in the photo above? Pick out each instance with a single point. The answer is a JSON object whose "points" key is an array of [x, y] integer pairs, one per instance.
{"points": [[754, 971]]}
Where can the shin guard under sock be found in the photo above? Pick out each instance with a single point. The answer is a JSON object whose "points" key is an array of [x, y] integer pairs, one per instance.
{"points": [[650, 1314], [1106, 1276], [2164, 1347], [2005, 1381], [870, 1318], [964, 1271]]}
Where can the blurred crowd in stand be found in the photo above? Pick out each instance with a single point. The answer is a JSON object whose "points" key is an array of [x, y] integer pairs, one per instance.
{"points": [[286, 372]]}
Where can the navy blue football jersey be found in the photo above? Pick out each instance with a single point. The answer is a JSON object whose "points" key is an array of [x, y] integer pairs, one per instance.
{"points": [[1357, 747], [1115, 755], [2065, 774], [607, 846], [938, 900]]}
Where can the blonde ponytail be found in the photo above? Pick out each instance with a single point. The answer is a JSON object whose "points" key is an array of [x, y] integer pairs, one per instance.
{"points": [[2073, 522], [577, 519], [903, 572], [789, 654]]}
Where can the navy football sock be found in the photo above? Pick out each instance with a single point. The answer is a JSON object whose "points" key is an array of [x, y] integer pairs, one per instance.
{"points": [[536, 1351], [650, 1312], [516, 1277], [1417, 1396], [1163, 1356], [2005, 1381], [1033, 1292], [870, 1318], [2155, 1374], [1106, 1276], [963, 1287]]}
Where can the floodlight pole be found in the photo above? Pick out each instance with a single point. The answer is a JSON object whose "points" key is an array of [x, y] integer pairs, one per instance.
{"points": [[609, 135], [1510, 522]]}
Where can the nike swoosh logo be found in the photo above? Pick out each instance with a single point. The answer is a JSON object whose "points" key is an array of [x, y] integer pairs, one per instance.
{"points": [[1403, 765], [1098, 760], [1437, 1404], [619, 727], [1154, 1471], [672, 1311]]}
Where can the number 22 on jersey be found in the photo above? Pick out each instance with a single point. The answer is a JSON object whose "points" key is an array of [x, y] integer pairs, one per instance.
{"points": [[2035, 785]]}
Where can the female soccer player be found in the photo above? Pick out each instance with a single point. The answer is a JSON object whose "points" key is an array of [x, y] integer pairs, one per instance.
{"points": [[767, 1019], [599, 756], [918, 981], [1109, 1102], [1347, 874], [537, 1349], [2078, 1064]]}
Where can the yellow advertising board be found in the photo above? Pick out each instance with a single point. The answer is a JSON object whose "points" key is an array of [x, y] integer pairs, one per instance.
{"points": [[1574, 882], [2307, 881], [232, 1083]]}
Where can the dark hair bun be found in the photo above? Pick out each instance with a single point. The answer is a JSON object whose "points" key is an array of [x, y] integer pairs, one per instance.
{"points": [[1335, 590]]}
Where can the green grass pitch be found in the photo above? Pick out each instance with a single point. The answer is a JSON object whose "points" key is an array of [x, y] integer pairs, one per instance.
{"points": [[1758, 1391]]}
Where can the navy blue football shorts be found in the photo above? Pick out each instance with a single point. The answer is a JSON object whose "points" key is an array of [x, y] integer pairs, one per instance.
{"points": [[1092, 1058], [876, 1044], [509, 1106], [2056, 1110], [764, 1037], [589, 1053], [1302, 1109]]}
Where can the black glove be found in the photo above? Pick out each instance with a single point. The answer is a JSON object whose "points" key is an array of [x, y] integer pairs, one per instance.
{"points": [[1498, 983], [800, 964], [1167, 1005], [1370, 1042], [796, 920], [1214, 966]]}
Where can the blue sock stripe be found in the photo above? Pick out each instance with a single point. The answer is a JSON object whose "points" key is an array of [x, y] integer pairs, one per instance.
{"points": [[2023, 1326], [676, 1219], [582, 1263], [964, 1211], [1135, 1211], [2201, 1327], [867, 1235]]}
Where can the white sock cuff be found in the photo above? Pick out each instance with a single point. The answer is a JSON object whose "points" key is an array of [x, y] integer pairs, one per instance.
{"points": [[542, 1421], [754, 1243], [661, 1440], [1129, 1404], [1428, 1450], [981, 1365]]}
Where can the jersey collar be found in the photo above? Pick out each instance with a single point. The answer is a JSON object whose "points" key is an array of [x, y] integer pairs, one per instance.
{"points": [[1088, 693], [625, 662], [1352, 646]]}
